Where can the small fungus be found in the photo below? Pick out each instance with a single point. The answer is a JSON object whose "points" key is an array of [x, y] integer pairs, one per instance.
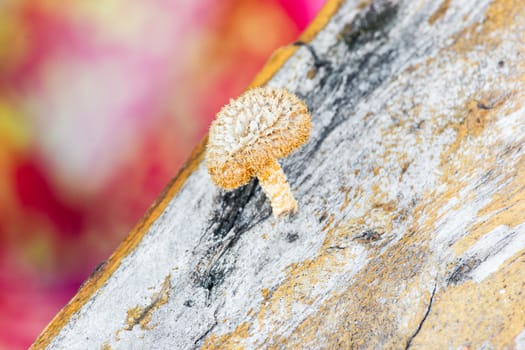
{"points": [[248, 136]]}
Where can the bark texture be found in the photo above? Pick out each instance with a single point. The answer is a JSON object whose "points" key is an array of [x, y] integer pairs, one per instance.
{"points": [[410, 230]]}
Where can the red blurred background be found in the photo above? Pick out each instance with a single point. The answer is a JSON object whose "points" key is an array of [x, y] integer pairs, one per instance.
{"points": [[100, 103]]}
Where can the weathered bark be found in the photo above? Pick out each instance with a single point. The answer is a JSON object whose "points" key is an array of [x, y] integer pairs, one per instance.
{"points": [[411, 192]]}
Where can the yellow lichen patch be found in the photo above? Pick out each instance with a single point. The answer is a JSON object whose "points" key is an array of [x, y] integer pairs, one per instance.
{"points": [[312, 72], [363, 4], [328, 222], [386, 206], [345, 32], [382, 215], [230, 340], [460, 164], [485, 315], [366, 315], [346, 200], [298, 287], [404, 167], [141, 315], [378, 218], [473, 119], [265, 293], [506, 208], [106, 346], [459, 161], [440, 12], [501, 14]]}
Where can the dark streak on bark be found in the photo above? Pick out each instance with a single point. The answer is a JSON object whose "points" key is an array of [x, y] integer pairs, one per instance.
{"points": [[372, 65], [229, 221], [229, 205], [292, 237], [370, 235], [461, 272], [203, 336], [370, 24], [420, 325], [318, 63], [466, 266], [338, 247]]}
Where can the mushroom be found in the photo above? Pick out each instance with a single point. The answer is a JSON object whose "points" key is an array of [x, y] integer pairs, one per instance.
{"points": [[248, 136]]}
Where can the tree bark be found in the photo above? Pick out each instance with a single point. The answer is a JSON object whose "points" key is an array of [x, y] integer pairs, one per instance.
{"points": [[411, 192]]}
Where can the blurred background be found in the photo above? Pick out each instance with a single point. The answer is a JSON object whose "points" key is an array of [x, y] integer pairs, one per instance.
{"points": [[100, 103]]}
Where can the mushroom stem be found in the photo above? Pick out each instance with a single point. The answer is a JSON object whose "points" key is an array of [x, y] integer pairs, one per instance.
{"points": [[274, 184]]}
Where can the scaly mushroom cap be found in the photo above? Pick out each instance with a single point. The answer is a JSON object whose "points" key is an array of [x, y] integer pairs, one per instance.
{"points": [[261, 124]]}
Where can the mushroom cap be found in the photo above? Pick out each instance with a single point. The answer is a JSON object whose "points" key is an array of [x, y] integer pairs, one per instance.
{"points": [[260, 125]]}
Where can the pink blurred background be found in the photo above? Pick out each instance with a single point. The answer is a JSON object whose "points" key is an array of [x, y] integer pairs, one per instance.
{"points": [[100, 103]]}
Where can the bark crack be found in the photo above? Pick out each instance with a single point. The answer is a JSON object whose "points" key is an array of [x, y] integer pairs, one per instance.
{"points": [[205, 334], [420, 325]]}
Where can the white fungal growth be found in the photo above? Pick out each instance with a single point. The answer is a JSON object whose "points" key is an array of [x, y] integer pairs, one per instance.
{"points": [[250, 134]]}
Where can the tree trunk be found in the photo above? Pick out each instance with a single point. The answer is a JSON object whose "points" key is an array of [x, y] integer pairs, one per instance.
{"points": [[411, 191]]}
